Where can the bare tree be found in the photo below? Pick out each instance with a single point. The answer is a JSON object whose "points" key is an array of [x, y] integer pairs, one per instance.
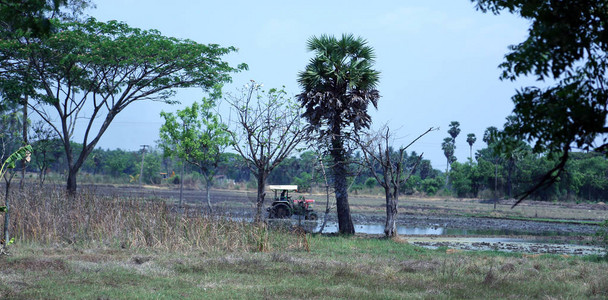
{"points": [[267, 129], [377, 153]]}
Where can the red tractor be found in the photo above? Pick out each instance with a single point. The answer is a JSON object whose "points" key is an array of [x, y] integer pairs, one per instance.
{"points": [[283, 206]]}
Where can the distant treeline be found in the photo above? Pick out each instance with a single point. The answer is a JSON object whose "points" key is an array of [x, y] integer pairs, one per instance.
{"points": [[486, 176]]}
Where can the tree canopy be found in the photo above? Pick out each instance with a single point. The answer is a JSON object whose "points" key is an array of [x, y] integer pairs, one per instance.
{"points": [[338, 85], [198, 137], [566, 48], [267, 129], [100, 68]]}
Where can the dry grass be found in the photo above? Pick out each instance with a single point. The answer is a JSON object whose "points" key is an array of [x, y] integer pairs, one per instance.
{"points": [[52, 217], [130, 248]]}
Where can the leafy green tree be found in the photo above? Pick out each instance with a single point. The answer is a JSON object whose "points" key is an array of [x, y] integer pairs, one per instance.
{"points": [[431, 185], [234, 167], [102, 68], [371, 182], [471, 139], [25, 22], [268, 128], [152, 167], [338, 85], [33, 17], [460, 179], [303, 181], [197, 135], [567, 45]]}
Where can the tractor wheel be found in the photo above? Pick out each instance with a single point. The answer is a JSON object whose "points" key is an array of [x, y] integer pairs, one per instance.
{"points": [[281, 212], [311, 216]]}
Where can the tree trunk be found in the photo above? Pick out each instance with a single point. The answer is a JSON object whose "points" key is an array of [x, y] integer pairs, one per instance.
{"points": [[71, 184], [208, 188], [509, 177], [25, 140], [495, 184], [447, 172], [260, 196], [327, 208], [390, 229], [471, 153], [181, 188], [7, 214], [345, 222]]}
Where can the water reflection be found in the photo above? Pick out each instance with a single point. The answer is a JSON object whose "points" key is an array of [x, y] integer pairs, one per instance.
{"points": [[332, 227], [379, 229]]}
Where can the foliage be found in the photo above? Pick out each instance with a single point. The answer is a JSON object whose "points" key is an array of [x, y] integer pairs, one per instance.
{"points": [[448, 148], [104, 67], [199, 137], [33, 17], [45, 144], [460, 179], [471, 139], [338, 84], [454, 130], [268, 128], [567, 45], [22, 154], [602, 236], [196, 135], [10, 134], [371, 182]]}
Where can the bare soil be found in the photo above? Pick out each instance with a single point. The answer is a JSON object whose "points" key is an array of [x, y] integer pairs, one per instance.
{"points": [[453, 214]]}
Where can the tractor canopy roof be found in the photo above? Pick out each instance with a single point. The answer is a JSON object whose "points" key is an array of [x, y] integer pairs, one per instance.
{"points": [[283, 187]]}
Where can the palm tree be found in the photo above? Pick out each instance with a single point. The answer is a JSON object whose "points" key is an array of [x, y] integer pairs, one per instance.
{"points": [[338, 85], [448, 148], [454, 130], [471, 139]]}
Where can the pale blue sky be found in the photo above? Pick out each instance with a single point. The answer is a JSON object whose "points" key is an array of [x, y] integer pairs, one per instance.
{"points": [[438, 59]]}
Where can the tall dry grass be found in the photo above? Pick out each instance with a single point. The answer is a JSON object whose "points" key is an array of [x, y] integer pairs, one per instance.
{"points": [[50, 216]]}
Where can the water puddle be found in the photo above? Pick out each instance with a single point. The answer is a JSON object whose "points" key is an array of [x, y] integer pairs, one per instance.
{"points": [[504, 244], [332, 227], [481, 240]]}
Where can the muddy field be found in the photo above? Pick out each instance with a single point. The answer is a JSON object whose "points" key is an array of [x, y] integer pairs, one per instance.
{"points": [[458, 224], [452, 214]]}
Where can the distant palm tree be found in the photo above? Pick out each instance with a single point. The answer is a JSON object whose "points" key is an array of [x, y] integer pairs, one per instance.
{"points": [[454, 130], [471, 139], [338, 85], [448, 150]]}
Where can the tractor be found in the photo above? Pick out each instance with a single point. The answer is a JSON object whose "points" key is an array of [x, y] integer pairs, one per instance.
{"points": [[283, 206]]}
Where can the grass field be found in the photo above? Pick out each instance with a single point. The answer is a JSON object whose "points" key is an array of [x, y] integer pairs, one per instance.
{"points": [[319, 268], [117, 247]]}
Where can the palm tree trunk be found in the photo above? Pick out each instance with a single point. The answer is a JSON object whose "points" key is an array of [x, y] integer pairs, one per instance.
{"points": [[345, 222]]}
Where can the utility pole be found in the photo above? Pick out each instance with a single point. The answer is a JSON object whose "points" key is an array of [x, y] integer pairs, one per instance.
{"points": [[141, 170]]}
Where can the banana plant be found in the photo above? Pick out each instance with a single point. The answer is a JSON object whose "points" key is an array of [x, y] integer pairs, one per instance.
{"points": [[23, 153]]}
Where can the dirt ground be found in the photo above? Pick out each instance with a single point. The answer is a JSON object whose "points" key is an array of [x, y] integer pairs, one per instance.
{"points": [[454, 214], [469, 224]]}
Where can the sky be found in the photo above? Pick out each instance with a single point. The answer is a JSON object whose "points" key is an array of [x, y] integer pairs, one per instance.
{"points": [[438, 59]]}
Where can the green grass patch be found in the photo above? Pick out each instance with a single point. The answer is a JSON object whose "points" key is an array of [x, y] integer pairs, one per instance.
{"points": [[336, 267]]}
